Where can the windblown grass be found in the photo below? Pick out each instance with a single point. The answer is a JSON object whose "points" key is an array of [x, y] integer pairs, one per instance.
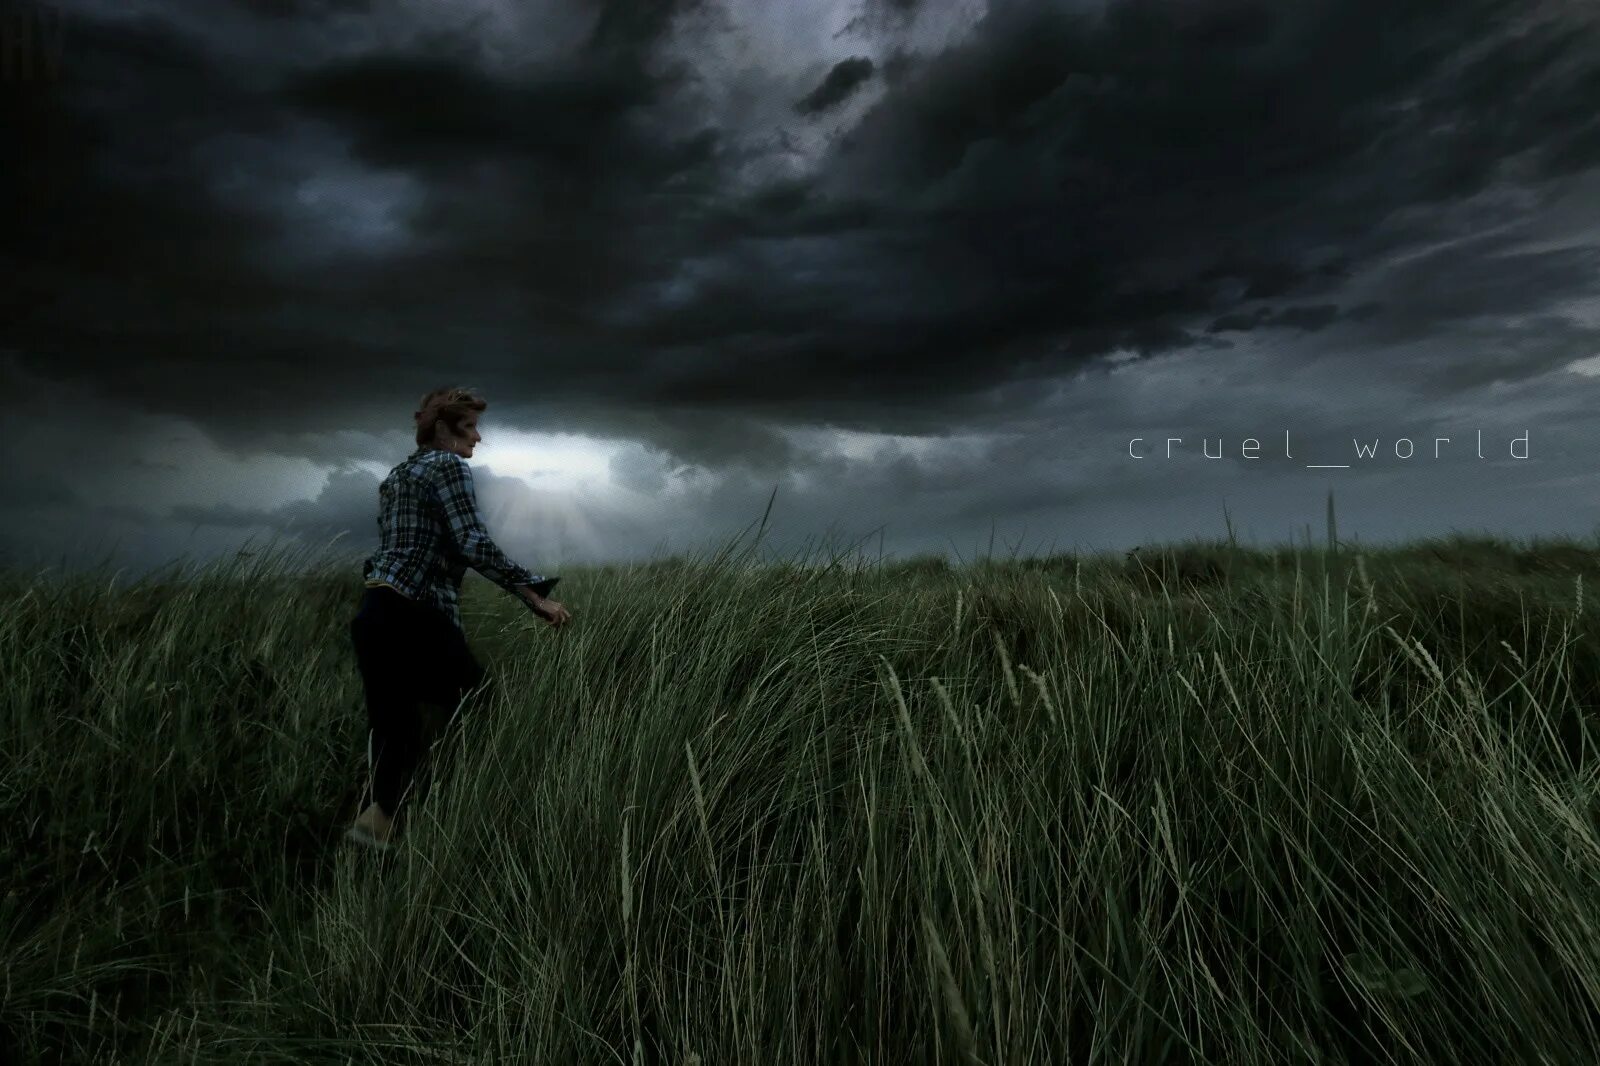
{"points": [[1293, 807]]}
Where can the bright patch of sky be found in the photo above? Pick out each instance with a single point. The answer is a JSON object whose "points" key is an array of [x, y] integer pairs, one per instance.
{"points": [[1589, 367], [869, 447], [557, 462]]}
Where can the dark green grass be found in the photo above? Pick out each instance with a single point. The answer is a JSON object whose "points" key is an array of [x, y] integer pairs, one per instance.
{"points": [[1200, 805]]}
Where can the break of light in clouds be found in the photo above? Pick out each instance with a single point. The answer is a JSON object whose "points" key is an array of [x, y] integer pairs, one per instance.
{"points": [[925, 268]]}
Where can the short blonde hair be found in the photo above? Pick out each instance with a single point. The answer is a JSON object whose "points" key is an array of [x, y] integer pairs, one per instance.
{"points": [[451, 403]]}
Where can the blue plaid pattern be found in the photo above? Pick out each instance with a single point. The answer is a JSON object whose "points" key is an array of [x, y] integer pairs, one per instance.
{"points": [[429, 533]]}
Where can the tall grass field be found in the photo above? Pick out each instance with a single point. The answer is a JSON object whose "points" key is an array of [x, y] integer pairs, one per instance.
{"points": [[1203, 804]]}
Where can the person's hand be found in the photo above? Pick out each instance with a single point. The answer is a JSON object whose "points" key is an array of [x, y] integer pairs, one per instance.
{"points": [[552, 611]]}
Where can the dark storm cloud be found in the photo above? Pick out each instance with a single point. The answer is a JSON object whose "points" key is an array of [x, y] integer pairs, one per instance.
{"points": [[301, 9], [1065, 184], [1308, 318], [220, 515], [22, 492], [584, 177], [1490, 278], [117, 251], [1491, 295], [898, 8], [1526, 349], [1093, 174], [1051, 187], [134, 271], [845, 78], [439, 112], [878, 16]]}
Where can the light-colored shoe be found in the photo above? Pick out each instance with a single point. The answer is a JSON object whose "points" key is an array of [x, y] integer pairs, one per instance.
{"points": [[372, 828]]}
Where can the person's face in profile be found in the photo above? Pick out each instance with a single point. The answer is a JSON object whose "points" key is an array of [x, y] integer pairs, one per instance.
{"points": [[464, 442]]}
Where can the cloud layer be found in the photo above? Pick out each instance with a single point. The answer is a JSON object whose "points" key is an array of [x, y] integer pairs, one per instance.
{"points": [[730, 235]]}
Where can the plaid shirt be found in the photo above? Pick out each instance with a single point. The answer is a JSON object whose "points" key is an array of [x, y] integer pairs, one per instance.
{"points": [[429, 533]]}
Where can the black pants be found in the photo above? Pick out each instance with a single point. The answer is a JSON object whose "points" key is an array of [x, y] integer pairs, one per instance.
{"points": [[408, 654]]}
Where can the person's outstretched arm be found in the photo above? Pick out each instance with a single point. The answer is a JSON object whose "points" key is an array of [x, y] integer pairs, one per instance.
{"points": [[467, 532]]}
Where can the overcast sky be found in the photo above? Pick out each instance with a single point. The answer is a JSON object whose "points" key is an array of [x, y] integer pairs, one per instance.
{"points": [[923, 267]]}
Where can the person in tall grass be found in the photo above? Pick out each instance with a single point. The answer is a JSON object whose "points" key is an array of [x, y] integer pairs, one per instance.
{"points": [[409, 643]]}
